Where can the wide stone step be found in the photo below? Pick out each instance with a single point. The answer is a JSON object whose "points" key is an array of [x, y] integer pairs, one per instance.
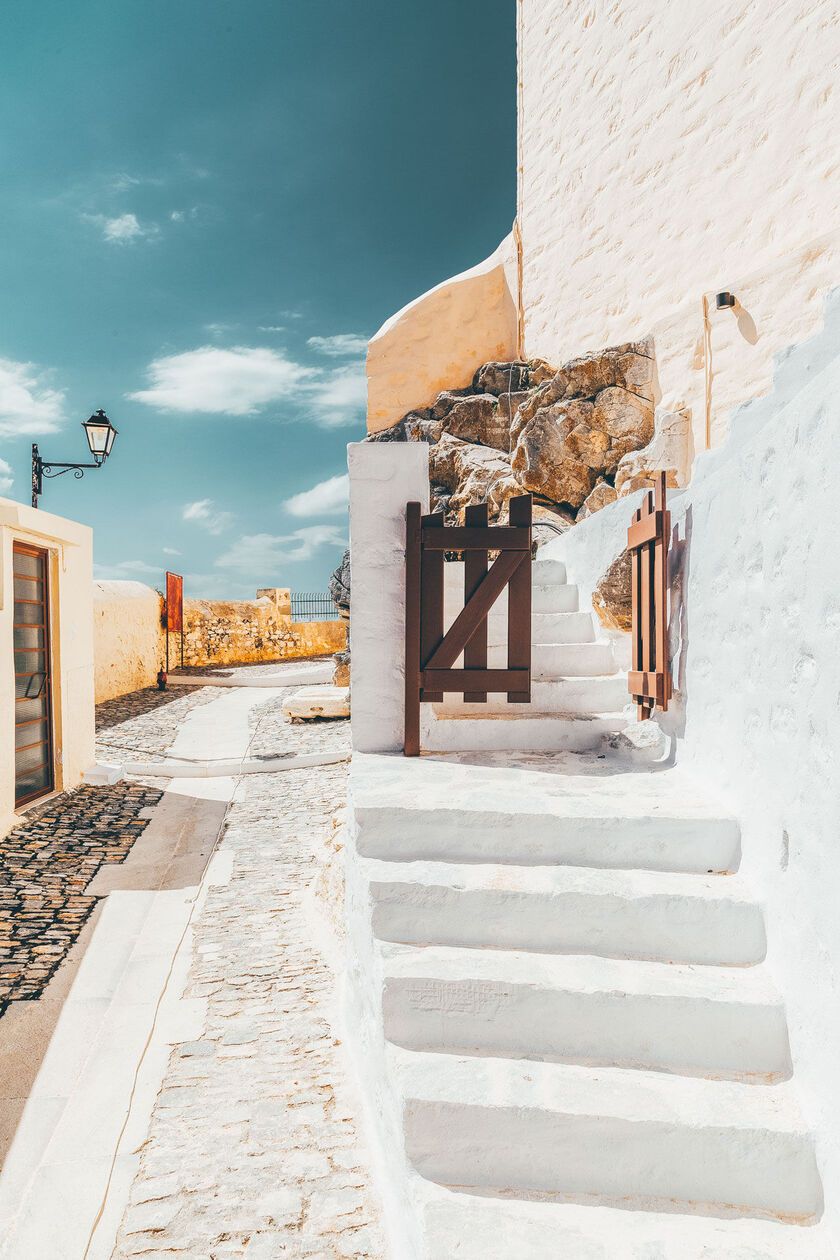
{"points": [[554, 598], [606, 693], [522, 730], [713, 1021], [707, 920], [548, 572], [458, 1226], [535, 810], [570, 660], [646, 1139]]}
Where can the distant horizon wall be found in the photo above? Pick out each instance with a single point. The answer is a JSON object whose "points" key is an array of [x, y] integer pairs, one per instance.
{"points": [[666, 154], [130, 642]]}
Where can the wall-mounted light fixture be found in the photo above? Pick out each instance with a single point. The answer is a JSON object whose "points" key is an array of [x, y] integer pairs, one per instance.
{"points": [[100, 434], [724, 299]]}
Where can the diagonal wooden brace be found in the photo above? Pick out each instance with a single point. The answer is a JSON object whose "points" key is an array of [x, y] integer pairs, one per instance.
{"points": [[470, 618]]}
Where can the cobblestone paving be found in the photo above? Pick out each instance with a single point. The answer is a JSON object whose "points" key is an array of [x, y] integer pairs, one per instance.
{"points": [[253, 1149], [46, 864], [145, 721]]}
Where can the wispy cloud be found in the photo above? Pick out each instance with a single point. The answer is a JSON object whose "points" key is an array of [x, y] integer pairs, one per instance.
{"points": [[341, 346], [170, 551], [122, 229], [126, 569], [269, 553], [205, 513], [184, 216], [7, 479], [328, 498], [235, 382], [272, 328], [340, 397], [27, 403]]}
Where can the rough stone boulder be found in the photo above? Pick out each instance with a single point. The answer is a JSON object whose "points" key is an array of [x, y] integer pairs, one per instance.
{"points": [[669, 451], [479, 419], [612, 597], [467, 472], [510, 378], [601, 495], [543, 460], [339, 586], [341, 669]]}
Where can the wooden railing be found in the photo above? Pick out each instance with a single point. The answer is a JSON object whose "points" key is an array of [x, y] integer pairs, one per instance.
{"points": [[429, 653], [649, 680]]}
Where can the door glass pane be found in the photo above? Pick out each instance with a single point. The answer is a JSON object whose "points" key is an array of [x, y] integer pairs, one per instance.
{"points": [[30, 733], [28, 565], [29, 614], [26, 710], [29, 637], [32, 781], [28, 588], [29, 759]]}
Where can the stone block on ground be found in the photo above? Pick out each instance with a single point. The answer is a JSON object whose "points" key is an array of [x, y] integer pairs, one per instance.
{"points": [[317, 702]]}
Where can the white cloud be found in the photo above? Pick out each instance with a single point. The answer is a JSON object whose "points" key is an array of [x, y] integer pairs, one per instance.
{"points": [[269, 553], [170, 551], [126, 569], [123, 228], [342, 346], [234, 382], [340, 397], [328, 498], [272, 328], [7, 479], [205, 513], [27, 403], [184, 216]]}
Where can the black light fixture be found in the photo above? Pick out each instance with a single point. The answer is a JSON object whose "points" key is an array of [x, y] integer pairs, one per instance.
{"points": [[100, 434], [724, 299]]}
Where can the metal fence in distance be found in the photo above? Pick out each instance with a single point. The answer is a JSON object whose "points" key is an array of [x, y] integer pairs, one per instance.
{"points": [[313, 606]]}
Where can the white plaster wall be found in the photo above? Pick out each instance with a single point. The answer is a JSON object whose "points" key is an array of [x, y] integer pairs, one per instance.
{"points": [[439, 339], [667, 152], [128, 637], [384, 476], [755, 629], [70, 548]]}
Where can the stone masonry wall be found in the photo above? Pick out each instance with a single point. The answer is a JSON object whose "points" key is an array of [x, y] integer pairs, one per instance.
{"points": [[130, 644]]}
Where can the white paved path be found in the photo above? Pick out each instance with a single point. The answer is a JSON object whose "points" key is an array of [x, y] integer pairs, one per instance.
{"points": [[255, 1148]]}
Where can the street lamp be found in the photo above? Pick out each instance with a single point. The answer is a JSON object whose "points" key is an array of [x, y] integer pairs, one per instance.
{"points": [[100, 434]]}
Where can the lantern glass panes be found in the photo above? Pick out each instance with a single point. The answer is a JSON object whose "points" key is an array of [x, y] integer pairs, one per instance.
{"points": [[100, 434]]}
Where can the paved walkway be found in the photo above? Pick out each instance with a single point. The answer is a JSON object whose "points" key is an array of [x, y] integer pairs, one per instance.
{"points": [[254, 1148]]}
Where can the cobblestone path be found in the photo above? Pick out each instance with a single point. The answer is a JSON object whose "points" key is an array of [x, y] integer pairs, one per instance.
{"points": [[144, 721], [254, 1149], [46, 864]]}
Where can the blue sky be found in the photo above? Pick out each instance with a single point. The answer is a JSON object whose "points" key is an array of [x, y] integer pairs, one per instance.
{"points": [[206, 208]]}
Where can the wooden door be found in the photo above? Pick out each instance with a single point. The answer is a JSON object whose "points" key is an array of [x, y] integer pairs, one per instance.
{"points": [[34, 772]]}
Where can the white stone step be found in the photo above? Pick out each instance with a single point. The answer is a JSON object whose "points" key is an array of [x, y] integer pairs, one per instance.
{"points": [[708, 920], [554, 599], [548, 573], [712, 1021], [645, 1139], [572, 660], [576, 627], [536, 809], [524, 729], [606, 693], [458, 1226]]}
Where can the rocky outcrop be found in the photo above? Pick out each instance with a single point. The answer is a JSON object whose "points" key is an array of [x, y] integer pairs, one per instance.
{"points": [[341, 669], [670, 450], [561, 434], [612, 597]]}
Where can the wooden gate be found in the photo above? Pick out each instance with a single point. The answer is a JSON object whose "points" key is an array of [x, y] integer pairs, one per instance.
{"points": [[649, 680], [429, 653]]}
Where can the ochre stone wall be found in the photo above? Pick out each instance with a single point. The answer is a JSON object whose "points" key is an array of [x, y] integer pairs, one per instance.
{"points": [[130, 645]]}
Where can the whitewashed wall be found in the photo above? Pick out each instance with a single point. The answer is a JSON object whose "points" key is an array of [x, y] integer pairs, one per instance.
{"points": [[671, 151], [756, 635]]}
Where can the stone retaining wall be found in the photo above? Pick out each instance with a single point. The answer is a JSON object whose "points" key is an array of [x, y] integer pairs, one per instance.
{"points": [[130, 644]]}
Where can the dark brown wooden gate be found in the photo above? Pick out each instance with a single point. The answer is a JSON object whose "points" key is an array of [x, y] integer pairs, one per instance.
{"points": [[429, 653], [649, 680]]}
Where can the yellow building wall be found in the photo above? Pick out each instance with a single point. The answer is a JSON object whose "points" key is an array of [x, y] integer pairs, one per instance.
{"points": [[667, 152], [70, 547]]}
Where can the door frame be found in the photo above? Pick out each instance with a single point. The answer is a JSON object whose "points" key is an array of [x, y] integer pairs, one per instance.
{"points": [[44, 554]]}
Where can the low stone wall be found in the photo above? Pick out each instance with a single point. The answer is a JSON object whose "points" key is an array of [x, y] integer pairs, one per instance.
{"points": [[130, 644]]}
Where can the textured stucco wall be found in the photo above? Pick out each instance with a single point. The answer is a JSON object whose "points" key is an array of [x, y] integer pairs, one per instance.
{"points": [[128, 637], [671, 151], [70, 547], [439, 339], [755, 620], [131, 644]]}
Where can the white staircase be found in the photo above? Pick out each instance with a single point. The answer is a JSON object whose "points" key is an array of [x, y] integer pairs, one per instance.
{"points": [[578, 690], [584, 1056]]}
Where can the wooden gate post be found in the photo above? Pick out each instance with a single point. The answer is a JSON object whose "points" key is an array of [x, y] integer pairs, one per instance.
{"points": [[413, 560], [649, 680]]}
